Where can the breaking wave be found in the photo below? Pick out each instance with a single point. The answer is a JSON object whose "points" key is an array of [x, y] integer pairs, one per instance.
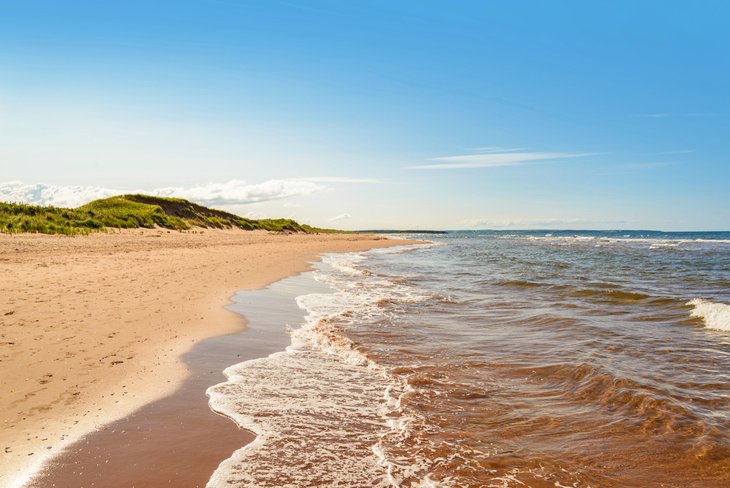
{"points": [[714, 315]]}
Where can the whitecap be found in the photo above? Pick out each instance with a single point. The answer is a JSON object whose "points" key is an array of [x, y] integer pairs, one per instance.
{"points": [[714, 315]]}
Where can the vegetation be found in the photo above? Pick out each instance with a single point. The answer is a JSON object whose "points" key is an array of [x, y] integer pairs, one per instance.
{"points": [[133, 211]]}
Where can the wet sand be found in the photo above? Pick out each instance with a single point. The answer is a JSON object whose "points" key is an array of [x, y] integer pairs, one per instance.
{"points": [[94, 327], [178, 441]]}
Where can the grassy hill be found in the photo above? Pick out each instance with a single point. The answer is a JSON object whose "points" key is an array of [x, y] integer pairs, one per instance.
{"points": [[132, 211]]}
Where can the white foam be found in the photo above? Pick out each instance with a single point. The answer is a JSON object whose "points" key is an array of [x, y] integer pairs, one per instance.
{"points": [[599, 241], [664, 245], [719, 241], [404, 248], [714, 315], [315, 416], [321, 408]]}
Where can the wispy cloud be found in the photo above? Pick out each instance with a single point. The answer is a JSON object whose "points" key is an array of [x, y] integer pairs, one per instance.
{"points": [[497, 158], [234, 192], [343, 216]]}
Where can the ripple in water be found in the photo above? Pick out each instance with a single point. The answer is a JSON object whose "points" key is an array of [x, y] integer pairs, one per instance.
{"points": [[498, 360]]}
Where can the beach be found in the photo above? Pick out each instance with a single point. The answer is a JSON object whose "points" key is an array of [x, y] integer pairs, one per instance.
{"points": [[94, 327], [496, 358]]}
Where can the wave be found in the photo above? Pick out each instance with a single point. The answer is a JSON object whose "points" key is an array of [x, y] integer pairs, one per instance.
{"points": [[600, 241], [303, 405], [425, 244], [714, 315], [322, 392], [612, 294], [521, 283], [601, 294], [651, 407], [378, 371], [665, 245]]}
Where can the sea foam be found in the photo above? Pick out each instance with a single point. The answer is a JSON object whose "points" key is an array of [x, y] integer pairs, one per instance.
{"points": [[714, 315], [320, 396]]}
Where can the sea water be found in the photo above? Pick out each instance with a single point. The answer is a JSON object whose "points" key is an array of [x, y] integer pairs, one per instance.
{"points": [[555, 358]]}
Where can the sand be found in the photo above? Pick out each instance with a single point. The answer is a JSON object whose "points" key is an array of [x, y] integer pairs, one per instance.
{"points": [[93, 327]]}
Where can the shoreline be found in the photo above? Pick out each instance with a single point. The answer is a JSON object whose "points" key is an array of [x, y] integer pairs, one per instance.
{"points": [[85, 341], [179, 440]]}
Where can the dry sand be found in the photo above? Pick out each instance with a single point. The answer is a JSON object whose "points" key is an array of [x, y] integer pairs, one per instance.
{"points": [[93, 327]]}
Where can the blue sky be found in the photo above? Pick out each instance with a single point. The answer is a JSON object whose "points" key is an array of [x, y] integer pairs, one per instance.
{"points": [[419, 114]]}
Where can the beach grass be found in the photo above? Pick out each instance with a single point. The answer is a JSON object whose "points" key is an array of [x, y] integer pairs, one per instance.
{"points": [[130, 212]]}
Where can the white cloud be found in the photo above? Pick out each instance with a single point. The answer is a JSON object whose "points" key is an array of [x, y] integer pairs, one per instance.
{"points": [[58, 196], [234, 192], [343, 216], [238, 192], [291, 205], [494, 159]]}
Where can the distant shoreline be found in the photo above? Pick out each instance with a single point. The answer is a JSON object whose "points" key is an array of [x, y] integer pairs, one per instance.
{"points": [[395, 231], [607, 232]]}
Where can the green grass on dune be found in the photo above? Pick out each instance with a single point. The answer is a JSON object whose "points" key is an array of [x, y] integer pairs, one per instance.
{"points": [[17, 218], [133, 211], [124, 213]]}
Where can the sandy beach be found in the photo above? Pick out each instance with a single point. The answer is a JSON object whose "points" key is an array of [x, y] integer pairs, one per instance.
{"points": [[94, 327]]}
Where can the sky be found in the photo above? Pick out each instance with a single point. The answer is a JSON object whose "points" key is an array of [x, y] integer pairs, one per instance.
{"points": [[375, 114]]}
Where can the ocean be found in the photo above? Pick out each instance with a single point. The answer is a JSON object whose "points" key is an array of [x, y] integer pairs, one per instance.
{"points": [[497, 358]]}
